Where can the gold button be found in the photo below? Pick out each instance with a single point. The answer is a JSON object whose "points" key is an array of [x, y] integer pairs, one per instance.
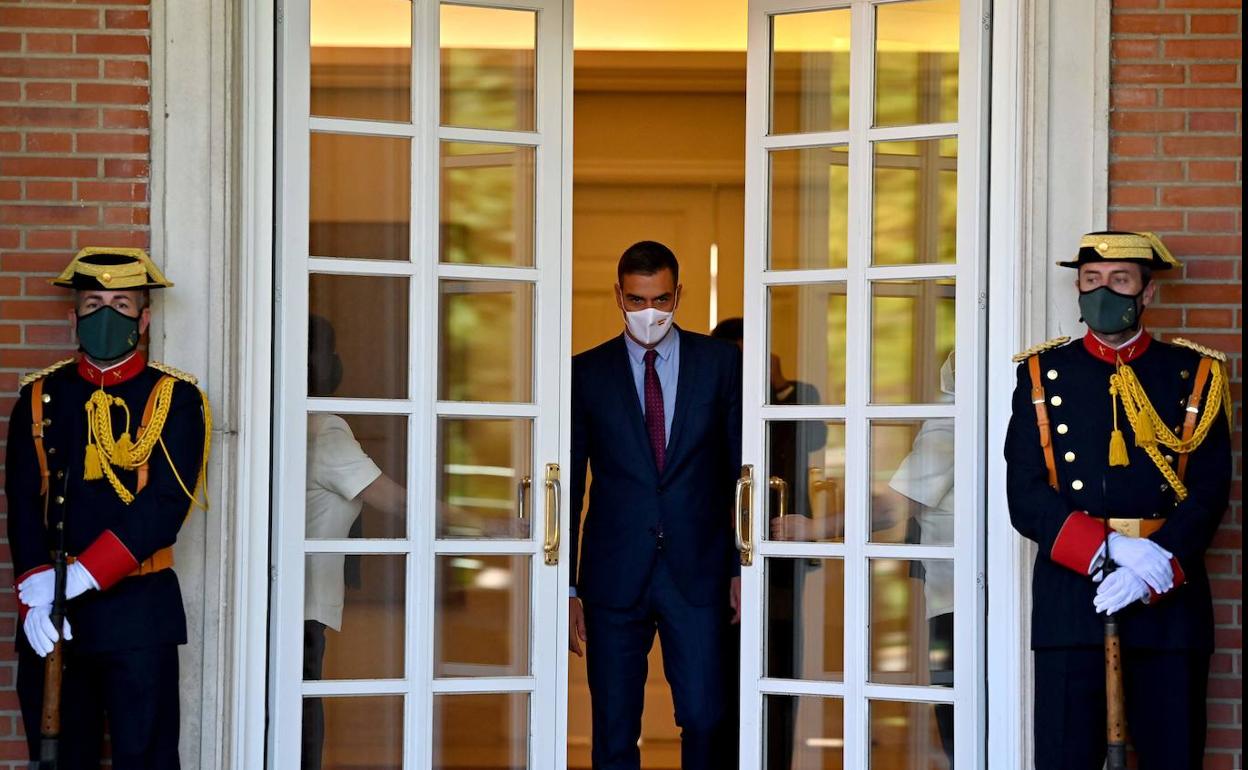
{"points": [[60, 500], [1164, 487], [1169, 458], [1057, 400], [47, 399], [106, 277], [1076, 485], [1062, 429], [60, 474], [51, 450], [1052, 374], [1102, 247], [1185, 374], [47, 421], [1070, 457]]}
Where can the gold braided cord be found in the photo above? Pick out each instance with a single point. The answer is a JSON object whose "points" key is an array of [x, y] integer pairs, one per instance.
{"points": [[123, 452], [203, 465], [1145, 420]]}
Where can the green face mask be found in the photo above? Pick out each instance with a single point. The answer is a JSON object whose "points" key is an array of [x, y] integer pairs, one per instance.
{"points": [[1108, 312], [106, 334]]}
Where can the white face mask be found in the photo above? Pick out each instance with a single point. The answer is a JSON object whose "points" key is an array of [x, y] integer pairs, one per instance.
{"points": [[648, 326]]}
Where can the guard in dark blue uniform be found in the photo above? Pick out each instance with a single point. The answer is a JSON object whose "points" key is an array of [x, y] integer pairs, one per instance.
{"points": [[1119, 443], [113, 449]]}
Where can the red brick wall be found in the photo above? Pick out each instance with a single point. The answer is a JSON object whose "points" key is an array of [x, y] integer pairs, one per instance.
{"points": [[74, 157], [1176, 168]]}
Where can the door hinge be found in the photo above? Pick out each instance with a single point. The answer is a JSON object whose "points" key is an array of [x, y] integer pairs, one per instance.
{"points": [[983, 300], [981, 581]]}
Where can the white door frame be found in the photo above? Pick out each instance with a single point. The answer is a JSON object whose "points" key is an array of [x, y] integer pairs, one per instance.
{"points": [[1025, 125]]}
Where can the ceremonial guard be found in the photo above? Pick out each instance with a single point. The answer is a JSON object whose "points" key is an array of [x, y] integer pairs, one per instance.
{"points": [[1118, 457], [106, 459]]}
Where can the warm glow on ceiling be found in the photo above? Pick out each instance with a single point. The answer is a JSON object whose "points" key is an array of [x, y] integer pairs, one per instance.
{"points": [[640, 25]]}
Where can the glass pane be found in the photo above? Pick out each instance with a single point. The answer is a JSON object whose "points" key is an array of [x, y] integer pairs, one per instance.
{"points": [[911, 622], [489, 64], [810, 72], [912, 485], [367, 318], [809, 208], [481, 731], [485, 341], [806, 481], [807, 326], [487, 204], [362, 59], [359, 197], [350, 732], [485, 485], [357, 470], [911, 735], [482, 616], [353, 616], [915, 214], [916, 63], [803, 732], [912, 332], [805, 619]]}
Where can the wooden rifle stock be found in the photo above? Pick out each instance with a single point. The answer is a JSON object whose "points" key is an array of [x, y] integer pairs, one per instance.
{"points": [[1115, 708], [54, 668]]}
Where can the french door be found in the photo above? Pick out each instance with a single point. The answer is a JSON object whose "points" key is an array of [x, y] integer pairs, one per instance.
{"points": [[862, 635], [418, 575]]}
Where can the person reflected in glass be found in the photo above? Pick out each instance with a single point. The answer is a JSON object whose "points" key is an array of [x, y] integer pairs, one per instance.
{"points": [[921, 491], [788, 457], [341, 480]]}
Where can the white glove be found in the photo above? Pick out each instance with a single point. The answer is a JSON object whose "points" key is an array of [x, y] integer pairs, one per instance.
{"points": [[38, 589], [1121, 589], [39, 629], [1145, 558]]}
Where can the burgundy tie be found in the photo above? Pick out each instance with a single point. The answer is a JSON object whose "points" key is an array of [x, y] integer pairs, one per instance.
{"points": [[653, 392]]}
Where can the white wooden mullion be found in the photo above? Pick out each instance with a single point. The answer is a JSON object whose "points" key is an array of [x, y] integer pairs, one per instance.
{"points": [[754, 381], [483, 547], [913, 132], [400, 546], [802, 687], [423, 338], [802, 141], [909, 693], [384, 406], [803, 277], [323, 688], [784, 412], [488, 273], [490, 135], [911, 272], [290, 434], [908, 551], [484, 685], [379, 267], [484, 409], [798, 550], [857, 395], [361, 127]]}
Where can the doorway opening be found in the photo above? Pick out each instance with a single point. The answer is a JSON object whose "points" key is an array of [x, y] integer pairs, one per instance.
{"points": [[658, 154]]}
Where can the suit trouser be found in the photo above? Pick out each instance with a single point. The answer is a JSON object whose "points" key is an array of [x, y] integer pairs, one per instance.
{"points": [[313, 708], [694, 641], [1165, 703], [136, 689]]}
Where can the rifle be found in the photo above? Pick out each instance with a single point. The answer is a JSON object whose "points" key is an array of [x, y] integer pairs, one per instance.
{"points": [[1115, 709], [54, 664]]}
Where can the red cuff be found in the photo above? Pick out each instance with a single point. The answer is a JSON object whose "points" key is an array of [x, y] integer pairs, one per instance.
{"points": [[108, 560], [1179, 579], [1076, 544]]}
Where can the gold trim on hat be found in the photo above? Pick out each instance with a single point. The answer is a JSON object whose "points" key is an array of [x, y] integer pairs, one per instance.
{"points": [[1128, 247], [139, 274]]}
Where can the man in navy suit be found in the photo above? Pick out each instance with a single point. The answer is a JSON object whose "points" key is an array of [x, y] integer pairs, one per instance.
{"points": [[656, 412]]}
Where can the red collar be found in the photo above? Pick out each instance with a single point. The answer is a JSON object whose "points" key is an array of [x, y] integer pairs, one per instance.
{"points": [[1111, 355], [126, 370]]}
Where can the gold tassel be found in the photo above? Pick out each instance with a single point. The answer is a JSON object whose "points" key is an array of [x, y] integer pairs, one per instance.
{"points": [[1118, 449], [122, 451], [1117, 444], [91, 464], [1144, 436]]}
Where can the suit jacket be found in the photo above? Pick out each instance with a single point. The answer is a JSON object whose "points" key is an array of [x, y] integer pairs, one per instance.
{"points": [[130, 611], [1076, 384], [630, 501]]}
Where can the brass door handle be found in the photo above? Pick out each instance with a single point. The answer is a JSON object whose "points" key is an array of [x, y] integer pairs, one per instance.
{"points": [[744, 545], [522, 497], [553, 501], [781, 487]]}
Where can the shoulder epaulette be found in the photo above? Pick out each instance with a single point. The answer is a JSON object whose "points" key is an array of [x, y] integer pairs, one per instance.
{"points": [[172, 372], [1056, 342], [1216, 355], [39, 375]]}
